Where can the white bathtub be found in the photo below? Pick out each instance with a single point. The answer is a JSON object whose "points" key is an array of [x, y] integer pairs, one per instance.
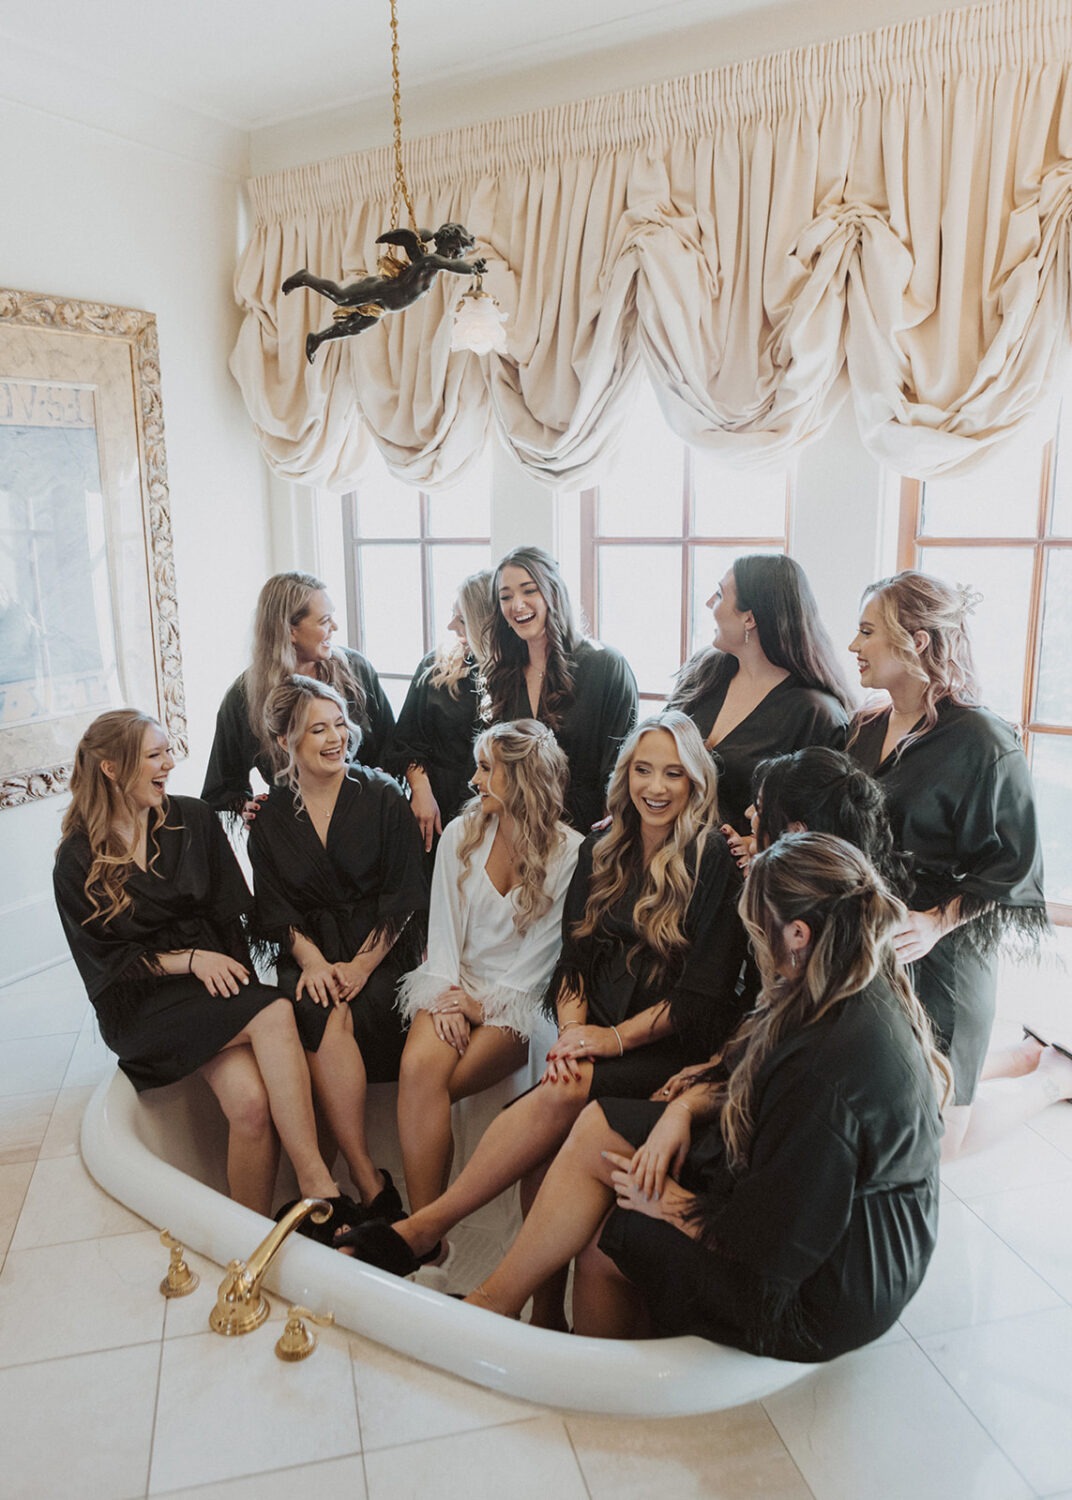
{"points": [[162, 1155]]}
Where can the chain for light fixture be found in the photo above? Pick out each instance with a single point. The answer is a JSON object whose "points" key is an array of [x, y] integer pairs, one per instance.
{"points": [[400, 189]]}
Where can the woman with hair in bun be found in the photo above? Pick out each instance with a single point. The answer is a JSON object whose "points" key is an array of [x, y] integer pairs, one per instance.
{"points": [[787, 1203], [961, 805], [152, 903], [292, 631], [652, 948], [540, 666], [494, 935], [433, 740], [341, 896], [769, 683]]}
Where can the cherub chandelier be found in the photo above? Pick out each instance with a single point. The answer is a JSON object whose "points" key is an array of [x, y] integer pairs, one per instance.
{"points": [[398, 282]]}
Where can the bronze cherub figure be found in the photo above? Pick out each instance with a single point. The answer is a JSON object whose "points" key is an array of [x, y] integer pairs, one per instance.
{"points": [[364, 302]]}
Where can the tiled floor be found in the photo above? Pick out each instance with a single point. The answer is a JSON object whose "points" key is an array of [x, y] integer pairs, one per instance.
{"points": [[108, 1392]]}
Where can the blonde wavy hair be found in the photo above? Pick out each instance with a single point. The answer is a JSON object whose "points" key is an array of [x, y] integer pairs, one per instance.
{"points": [[283, 603], [668, 882], [476, 606], [827, 883], [910, 602], [536, 774], [98, 800], [286, 715]]}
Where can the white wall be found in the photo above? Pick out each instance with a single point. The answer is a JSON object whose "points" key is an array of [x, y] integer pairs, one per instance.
{"points": [[90, 214]]}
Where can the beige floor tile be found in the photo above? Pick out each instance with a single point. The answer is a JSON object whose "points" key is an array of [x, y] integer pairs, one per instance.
{"points": [[1023, 1158], [400, 1401], [59, 1300], [24, 1122], [14, 1183], [33, 1065], [1016, 1377], [973, 1278], [1037, 1224], [340, 1479], [716, 1457], [61, 1137], [79, 1426], [882, 1424], [250, 1411], [525, 1461], [63, 1203]]}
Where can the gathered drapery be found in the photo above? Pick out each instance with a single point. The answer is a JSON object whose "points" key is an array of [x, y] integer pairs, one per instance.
{"points": [[887, 215]]}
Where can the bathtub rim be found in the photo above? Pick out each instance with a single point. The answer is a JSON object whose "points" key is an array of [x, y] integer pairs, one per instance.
{"points": [[669, 1377]]}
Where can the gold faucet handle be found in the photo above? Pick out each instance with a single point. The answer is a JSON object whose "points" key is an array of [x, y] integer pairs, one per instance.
{"points": [[296, 1341], [180, 1281]]}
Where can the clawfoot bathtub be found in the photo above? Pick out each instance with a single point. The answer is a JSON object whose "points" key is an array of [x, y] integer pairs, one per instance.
{"points": [[162, 1154]]}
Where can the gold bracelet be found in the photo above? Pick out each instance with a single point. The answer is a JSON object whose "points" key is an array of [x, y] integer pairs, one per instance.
{"points": [[621, 1045], [684, 1106], [568, 1026]]}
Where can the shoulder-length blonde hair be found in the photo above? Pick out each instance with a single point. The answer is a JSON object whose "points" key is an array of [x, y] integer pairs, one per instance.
{"points": [[284, 602], [536, 774], [508, 655], [98, 800], [668, 882], [827, 883], [910, 602], [286, 715], [453, 660]]}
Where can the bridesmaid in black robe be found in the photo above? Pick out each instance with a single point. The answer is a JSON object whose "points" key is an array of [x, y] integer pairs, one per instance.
{"points": [[787, 1203], [540, 667], [151, 900], [961, 805], [341, 901], [770, 682], [292, 632]]}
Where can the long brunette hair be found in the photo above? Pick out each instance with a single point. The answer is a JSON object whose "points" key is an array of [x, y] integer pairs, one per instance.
{"points": [[508, 656], [776, 590]]}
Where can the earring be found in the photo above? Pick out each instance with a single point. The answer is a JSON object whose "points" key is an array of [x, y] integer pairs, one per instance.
{"points": [[793, 960], [747, 636]]}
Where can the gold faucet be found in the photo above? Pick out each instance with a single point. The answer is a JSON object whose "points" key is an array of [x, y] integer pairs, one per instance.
{"points": [[240, 1307]]}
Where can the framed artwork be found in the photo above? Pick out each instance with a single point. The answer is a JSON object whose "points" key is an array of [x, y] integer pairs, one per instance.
{"points": [[88, 617]]}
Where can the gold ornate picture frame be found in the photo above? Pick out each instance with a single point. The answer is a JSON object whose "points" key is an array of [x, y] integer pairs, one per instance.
{"points": [[88, 615]]}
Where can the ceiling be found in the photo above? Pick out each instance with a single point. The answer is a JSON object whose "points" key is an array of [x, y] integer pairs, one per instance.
{"points": [[253, 64]]}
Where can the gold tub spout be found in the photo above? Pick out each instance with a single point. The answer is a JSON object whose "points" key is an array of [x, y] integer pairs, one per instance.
{"points": [[240, 1305]]}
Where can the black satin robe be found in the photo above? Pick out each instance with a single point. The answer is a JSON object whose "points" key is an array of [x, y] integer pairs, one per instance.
{"points": [[436, 732], [368, 880]]}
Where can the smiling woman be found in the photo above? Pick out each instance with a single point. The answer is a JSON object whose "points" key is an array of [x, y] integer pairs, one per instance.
{"points": [[341, 893], [151, 900], [540, 666]]}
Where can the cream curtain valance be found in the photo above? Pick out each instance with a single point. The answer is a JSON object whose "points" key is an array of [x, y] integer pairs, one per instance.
{"points": [[888, 214]]}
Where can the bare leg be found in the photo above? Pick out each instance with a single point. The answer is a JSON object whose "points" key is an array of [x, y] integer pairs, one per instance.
{"points": [[1001, 1104], [573, 1202], [519, 1139], [1012, 1062], [339, 1081], [548, 1300], [605, 1304], [432, 1077], [274, 1038], [252, 1142]]}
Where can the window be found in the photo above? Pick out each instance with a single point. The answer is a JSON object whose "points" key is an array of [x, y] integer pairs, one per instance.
{"points": [[406, 553], [658, 536], [1006, 530]]}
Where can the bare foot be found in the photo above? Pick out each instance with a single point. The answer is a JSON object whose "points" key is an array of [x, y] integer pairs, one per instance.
{"points": [[1056, 1068]]}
